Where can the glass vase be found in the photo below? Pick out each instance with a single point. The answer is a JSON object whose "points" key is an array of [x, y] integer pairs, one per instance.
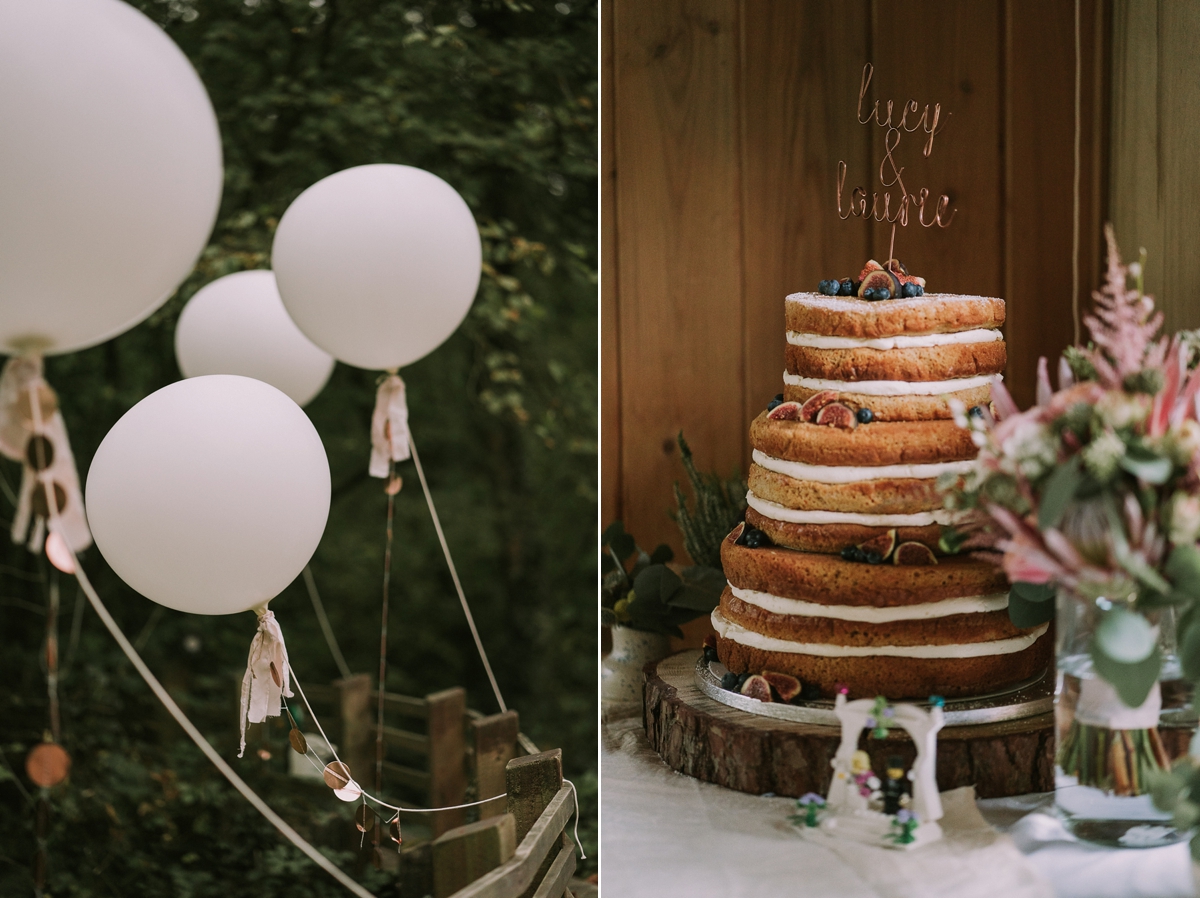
{"points": [[1107, 752]]}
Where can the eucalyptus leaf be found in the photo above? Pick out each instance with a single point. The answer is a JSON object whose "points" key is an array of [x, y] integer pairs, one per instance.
{"points": [[1183, 570], [1025, 612], [1125, 636], [1145, 465], [1188, 640], [1132, 682], [1061, 486]]}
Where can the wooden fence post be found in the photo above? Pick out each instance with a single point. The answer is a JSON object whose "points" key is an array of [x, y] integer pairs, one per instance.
{"points": [[356, 747], [495, 741], [532, 782], [447, 756], [464, 854]]}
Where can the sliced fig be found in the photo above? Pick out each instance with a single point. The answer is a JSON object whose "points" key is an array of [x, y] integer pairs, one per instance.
{"points": [[757, 687], [920, 282], [816, 402], [883, 545], [868, 268], [785, 411], [878, 280], [896, 267], [837, 415], [914, 554], [787, 686]]}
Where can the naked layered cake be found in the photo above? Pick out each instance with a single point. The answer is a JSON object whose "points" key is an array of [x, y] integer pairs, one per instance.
{"points": [[839, 575]]}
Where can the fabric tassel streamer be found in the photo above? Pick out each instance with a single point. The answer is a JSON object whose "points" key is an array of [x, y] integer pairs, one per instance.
{"points": [[389, 426], [268, 678], [29, 410]]}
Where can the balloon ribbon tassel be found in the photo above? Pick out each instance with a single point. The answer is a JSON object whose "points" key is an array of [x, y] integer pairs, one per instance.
{"points": [[268, 677]]}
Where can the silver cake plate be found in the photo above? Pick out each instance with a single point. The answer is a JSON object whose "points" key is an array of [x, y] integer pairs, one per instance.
{"points": [[1026, 699]]}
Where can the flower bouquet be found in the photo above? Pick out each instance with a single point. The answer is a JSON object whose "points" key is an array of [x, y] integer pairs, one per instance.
{"points": [[1092, 498]]}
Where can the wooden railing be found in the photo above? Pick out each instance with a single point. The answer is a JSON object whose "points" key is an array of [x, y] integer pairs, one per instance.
{"points": [[523, 853], [435, 746]]}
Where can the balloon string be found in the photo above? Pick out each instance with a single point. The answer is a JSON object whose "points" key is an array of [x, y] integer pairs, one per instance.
{"points": [[383, 626], [462, 598], [323, 620]]}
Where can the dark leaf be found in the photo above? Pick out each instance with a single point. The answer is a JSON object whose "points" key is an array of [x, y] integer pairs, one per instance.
{"points": [[662, 554], [1025, 613], [656, 583]]}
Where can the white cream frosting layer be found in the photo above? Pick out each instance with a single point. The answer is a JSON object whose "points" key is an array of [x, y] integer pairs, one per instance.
{"points": [[821, 341], [890, 387], [868, 614], [817, 516], [729, 630], [855, 474]]}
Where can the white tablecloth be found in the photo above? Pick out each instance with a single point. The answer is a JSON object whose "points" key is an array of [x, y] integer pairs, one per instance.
{"points": [[666, 834]]}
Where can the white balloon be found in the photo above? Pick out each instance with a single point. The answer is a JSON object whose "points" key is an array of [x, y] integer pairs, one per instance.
{"points": [[110, 171], [210, 495], [238, 325], [378, 264]]}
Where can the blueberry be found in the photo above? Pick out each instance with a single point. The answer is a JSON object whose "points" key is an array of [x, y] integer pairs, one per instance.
{"points": [[729, 681], [909, 289], [756, 539], [779, 396], [774, 403], [846, 288], [877, 293], [741, 540], [741, 680], [920, 290], [848, 553], [975, 411], [710, 653], [810, 692], [829, 288], [872, 557], [864, 416]]}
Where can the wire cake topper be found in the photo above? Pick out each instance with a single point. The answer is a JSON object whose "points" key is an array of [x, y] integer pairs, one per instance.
{"points": [[891, 173]]}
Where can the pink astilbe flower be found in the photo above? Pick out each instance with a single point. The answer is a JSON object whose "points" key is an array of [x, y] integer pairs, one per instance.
{"points": [[1122, 326]]}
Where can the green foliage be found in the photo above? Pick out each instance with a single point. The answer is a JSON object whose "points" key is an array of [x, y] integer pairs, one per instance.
{"points": [[719, 506], [1081, 366], [1031, 604], [498, 98], [639, 591]]}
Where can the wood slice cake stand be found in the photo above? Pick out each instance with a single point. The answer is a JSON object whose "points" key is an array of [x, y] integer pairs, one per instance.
{"points": [[704, 738]]}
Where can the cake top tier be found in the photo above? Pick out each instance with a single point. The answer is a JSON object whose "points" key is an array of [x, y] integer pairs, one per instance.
{"points": [[849, 316]]}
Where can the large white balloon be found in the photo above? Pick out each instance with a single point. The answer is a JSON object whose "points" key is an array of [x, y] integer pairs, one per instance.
{"points": [[210, 495], [110, 171], [238, 325], [378, 264]]}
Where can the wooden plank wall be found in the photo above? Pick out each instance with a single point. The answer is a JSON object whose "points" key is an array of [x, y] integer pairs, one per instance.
{"points": [[1155, 129], [723, 122]]}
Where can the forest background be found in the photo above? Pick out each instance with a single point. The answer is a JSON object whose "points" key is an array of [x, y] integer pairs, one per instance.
{"points": [[498, 97]]}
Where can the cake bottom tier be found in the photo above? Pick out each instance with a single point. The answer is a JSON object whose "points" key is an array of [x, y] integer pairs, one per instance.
{"points": [[895, 676]]}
